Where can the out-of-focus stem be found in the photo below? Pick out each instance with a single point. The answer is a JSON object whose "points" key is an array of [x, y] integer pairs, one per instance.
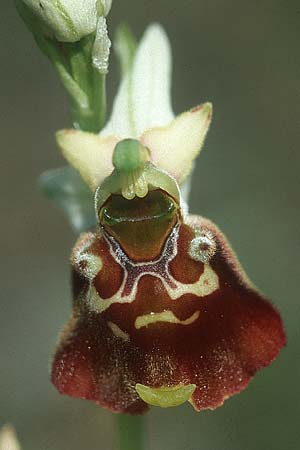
{"points": [[131, 432], [92, 118], [99, 98]]}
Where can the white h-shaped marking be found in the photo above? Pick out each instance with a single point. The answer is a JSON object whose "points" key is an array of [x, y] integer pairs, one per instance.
{"points": [[207, 283]]}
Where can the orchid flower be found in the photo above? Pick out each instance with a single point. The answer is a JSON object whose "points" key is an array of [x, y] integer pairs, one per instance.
{"points": [[162, 311]]}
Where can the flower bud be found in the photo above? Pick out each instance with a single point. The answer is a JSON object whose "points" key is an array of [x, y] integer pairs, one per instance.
{"points": [[70, 20]]}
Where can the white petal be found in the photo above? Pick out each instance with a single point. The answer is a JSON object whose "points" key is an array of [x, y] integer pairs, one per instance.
{"points": [[143, 100], [152, 81], [8, 439], [121, 122], [88, 153], [174, 147]]}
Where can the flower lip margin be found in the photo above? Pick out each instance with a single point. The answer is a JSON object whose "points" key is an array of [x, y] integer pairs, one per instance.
{"points": [[240, 332]]}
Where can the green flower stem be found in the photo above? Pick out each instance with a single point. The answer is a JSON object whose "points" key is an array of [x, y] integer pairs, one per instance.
{"points": [[80, 65], [93, 117], [91, 81], [73, 63], [77, 95], [99, 98], [131, 432]]}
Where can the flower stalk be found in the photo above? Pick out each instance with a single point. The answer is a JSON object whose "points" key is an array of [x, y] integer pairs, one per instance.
{"points": [[131, 432]]}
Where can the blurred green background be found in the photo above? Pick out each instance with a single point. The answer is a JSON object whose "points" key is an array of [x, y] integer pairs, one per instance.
{"points": [[242, 56]]}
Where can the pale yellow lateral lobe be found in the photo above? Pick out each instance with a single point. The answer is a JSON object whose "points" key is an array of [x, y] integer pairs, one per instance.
{"points": [[88, 153], [165, 316], [175, 146], [165, 397]]}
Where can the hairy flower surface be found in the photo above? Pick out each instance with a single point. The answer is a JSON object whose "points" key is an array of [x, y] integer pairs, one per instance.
{"points": [[162, 310]]}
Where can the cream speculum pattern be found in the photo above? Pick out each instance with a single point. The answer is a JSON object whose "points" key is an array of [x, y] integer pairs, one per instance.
{"points": [[134, 271]]}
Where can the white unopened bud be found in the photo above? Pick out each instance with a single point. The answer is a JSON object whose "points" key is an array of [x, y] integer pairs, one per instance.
{"points": [[69, 20]]}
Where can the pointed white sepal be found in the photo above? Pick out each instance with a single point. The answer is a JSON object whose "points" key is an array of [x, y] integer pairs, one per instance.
{"points": [[152, 72], [88, 153], [174, 147], [8, 439], [144, 100]]}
